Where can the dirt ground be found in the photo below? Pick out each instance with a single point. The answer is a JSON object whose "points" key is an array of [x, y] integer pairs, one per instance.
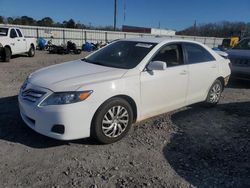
{"points": [[195, 146]]}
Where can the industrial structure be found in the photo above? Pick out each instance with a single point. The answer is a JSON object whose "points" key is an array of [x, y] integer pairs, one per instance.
{"points": [[153, 31]]}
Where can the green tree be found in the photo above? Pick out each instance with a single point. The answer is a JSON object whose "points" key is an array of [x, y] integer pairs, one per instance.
{"points": [[1, 19], [10, 20], [47, 21], [26, 20], [221, 29], [70, 24]]}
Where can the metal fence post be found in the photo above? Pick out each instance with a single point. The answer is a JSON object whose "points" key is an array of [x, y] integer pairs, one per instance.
{"points": [[214, 42], [205, 40], [106, 37], [85, 36], [37, 33], [82, 36], [125, 36], [64, 37]]}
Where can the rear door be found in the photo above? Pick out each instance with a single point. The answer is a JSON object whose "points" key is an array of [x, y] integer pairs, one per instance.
{"points": [[203, 71], [164, 90]]}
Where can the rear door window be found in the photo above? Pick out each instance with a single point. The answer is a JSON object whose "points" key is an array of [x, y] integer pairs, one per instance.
{"points": [[19, 33], [197, 54]]}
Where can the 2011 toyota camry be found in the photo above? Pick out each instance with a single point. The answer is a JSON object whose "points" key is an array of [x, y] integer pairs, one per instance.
{"points": [[127, 81]]}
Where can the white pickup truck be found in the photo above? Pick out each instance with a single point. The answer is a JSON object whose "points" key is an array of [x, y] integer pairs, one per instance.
{"points": [[13, 42]]}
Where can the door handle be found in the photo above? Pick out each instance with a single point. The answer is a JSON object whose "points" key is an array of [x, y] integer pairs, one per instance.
{"points": [[184, 72], [18, 39], [24, 39]]}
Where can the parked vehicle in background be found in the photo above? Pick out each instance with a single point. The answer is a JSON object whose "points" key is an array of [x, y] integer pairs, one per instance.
{"points": [[124, 82], [228, 43], [13, 42], [240, 59]]}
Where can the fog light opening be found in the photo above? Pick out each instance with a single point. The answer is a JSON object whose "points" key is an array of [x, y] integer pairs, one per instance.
{"points": [[59, 129]]}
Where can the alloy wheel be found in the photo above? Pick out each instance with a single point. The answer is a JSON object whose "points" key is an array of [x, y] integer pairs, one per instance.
{"points": [[115, 121], [215, 93]]}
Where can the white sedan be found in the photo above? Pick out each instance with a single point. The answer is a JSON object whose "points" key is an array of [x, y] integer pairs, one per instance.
{"points": [[125, 82]]}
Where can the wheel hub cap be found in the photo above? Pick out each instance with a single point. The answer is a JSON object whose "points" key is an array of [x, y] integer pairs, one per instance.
{"points": [[115, 121], [215, 93]]}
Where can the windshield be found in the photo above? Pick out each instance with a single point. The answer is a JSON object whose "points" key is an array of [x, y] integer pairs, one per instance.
{"points": [[4, 31], [243, 45], [121, 54]]}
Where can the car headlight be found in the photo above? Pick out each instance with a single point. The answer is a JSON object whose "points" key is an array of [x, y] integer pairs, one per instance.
{"points": [[66, 98]]}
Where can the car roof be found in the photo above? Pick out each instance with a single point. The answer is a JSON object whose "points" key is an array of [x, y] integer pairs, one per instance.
{"points": [[9, 26], [158, 40]]}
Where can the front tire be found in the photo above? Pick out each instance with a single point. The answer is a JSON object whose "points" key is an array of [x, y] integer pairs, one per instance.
{"points": [[31, 52], [214, 93], [6, 54], [112, 121]]}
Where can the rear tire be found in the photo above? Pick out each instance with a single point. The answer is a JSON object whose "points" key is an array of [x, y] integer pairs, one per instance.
{"points": [[6, 54], [214, 93], [112, 121], [31, 52]]}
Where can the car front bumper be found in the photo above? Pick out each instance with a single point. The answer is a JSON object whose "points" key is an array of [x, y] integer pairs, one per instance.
{"points": [[75, 118]]}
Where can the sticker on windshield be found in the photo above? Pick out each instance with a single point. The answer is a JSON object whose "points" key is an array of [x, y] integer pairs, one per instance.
{"points": [[144, 45]]}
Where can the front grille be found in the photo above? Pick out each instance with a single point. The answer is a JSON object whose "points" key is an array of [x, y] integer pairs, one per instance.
{"points": [[32, 95], [240, 62]]}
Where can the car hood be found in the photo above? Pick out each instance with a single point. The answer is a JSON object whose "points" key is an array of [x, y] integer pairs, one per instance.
{"points": [[237, 53], [71, 75]]}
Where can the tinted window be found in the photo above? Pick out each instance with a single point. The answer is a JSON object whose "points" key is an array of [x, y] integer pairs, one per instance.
{"points": [[4, 31], [171, 54], [243, 45], [19, 33], [121, 54], [13, 33], [197, 54]]}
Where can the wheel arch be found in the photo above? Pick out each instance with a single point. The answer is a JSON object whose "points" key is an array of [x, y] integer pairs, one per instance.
{"points": [[129, 99], [7, 46], [221, 79], [132, 103], [32, 45]]}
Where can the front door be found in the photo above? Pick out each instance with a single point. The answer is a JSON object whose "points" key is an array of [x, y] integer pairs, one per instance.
{"points": [[164, 90], [14, 43]]}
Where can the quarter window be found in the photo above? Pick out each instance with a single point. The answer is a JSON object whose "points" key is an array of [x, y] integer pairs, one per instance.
{"points": [[197, 54], [171, 54]]}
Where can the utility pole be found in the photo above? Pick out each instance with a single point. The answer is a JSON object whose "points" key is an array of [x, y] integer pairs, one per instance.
{"points": [[115, 8], [195, 27]]}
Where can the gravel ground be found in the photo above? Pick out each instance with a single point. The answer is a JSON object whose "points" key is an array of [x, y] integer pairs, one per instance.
{"points": [[194, 146]]}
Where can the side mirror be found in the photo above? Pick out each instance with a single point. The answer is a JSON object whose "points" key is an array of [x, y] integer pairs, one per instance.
{"points": [[157, 65]]}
